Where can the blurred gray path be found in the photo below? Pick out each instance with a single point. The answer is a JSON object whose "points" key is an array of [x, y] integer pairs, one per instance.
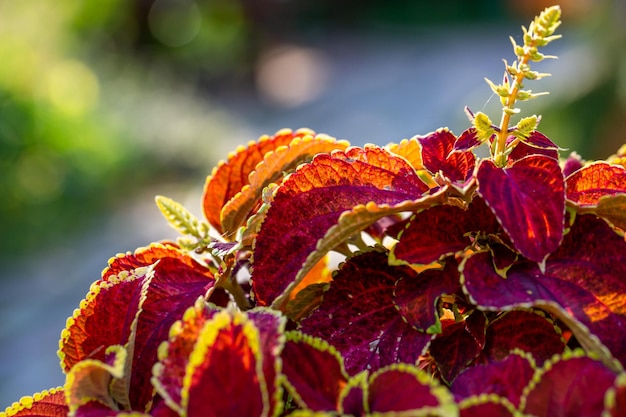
{"points": [[380, 90]]}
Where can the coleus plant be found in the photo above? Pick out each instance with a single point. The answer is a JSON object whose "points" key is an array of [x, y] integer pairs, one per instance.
{"points": [[406, 280]]}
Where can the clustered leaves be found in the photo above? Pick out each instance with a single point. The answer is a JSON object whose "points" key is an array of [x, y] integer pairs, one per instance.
{"points": [[327, 279]]}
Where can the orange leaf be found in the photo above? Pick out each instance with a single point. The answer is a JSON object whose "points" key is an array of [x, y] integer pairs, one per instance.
{"points": [[49, 403], [229, 177], [271, 169]]}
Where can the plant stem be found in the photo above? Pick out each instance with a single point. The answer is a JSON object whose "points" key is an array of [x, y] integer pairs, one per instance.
{"points": [[507, 111]]}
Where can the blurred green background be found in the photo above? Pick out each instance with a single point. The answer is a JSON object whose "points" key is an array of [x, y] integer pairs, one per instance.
{"points": [[104, 104], [99, 99]]}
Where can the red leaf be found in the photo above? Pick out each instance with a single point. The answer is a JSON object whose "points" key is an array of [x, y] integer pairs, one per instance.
{"points": [[506, 378], [104, 318], [615, 398], [438, 154], [97, 409], [482, 406], [401, 387], [169, 372], [528, 200], [314, 372], [586, 186], [173, 288], [358, 317], [416, 298], [467, 140], [49, 403], [311, 201], [149, 255], [443, 230], [523, 149], [569, 387], [582, 285], [232, 369]]}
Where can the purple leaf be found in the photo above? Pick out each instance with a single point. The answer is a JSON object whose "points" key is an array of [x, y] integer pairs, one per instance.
{"points": [[581, 285], [528, 198], [358, 316]]}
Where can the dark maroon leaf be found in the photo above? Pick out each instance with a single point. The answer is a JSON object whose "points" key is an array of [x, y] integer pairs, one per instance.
{"points": [[358, 316], [432, 234], [353, 396], [569, 387], [404, 388], [528, 198], [530, 331], [417, 297], [506, 378], [438, 156], [459, 345], [444, 230], [314, 372], [581, 285]]}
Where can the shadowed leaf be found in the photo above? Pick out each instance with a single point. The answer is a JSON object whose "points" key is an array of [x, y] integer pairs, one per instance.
{"points": [[615, 398], [91, 380], [173, 287], [467, 140], [458, 345], [613, 209], [416, 297], [234, 358], [530, 331], [443, 230], [486, 405], [506, 378], [372, 333]]}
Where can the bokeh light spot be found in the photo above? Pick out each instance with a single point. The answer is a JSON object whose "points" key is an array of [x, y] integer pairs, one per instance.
{"points": [[40, 175], [174, 23], [290, 75], [72, 87]]}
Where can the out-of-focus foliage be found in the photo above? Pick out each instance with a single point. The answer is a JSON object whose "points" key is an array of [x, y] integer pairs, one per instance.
{"points": [[80, 90]]}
